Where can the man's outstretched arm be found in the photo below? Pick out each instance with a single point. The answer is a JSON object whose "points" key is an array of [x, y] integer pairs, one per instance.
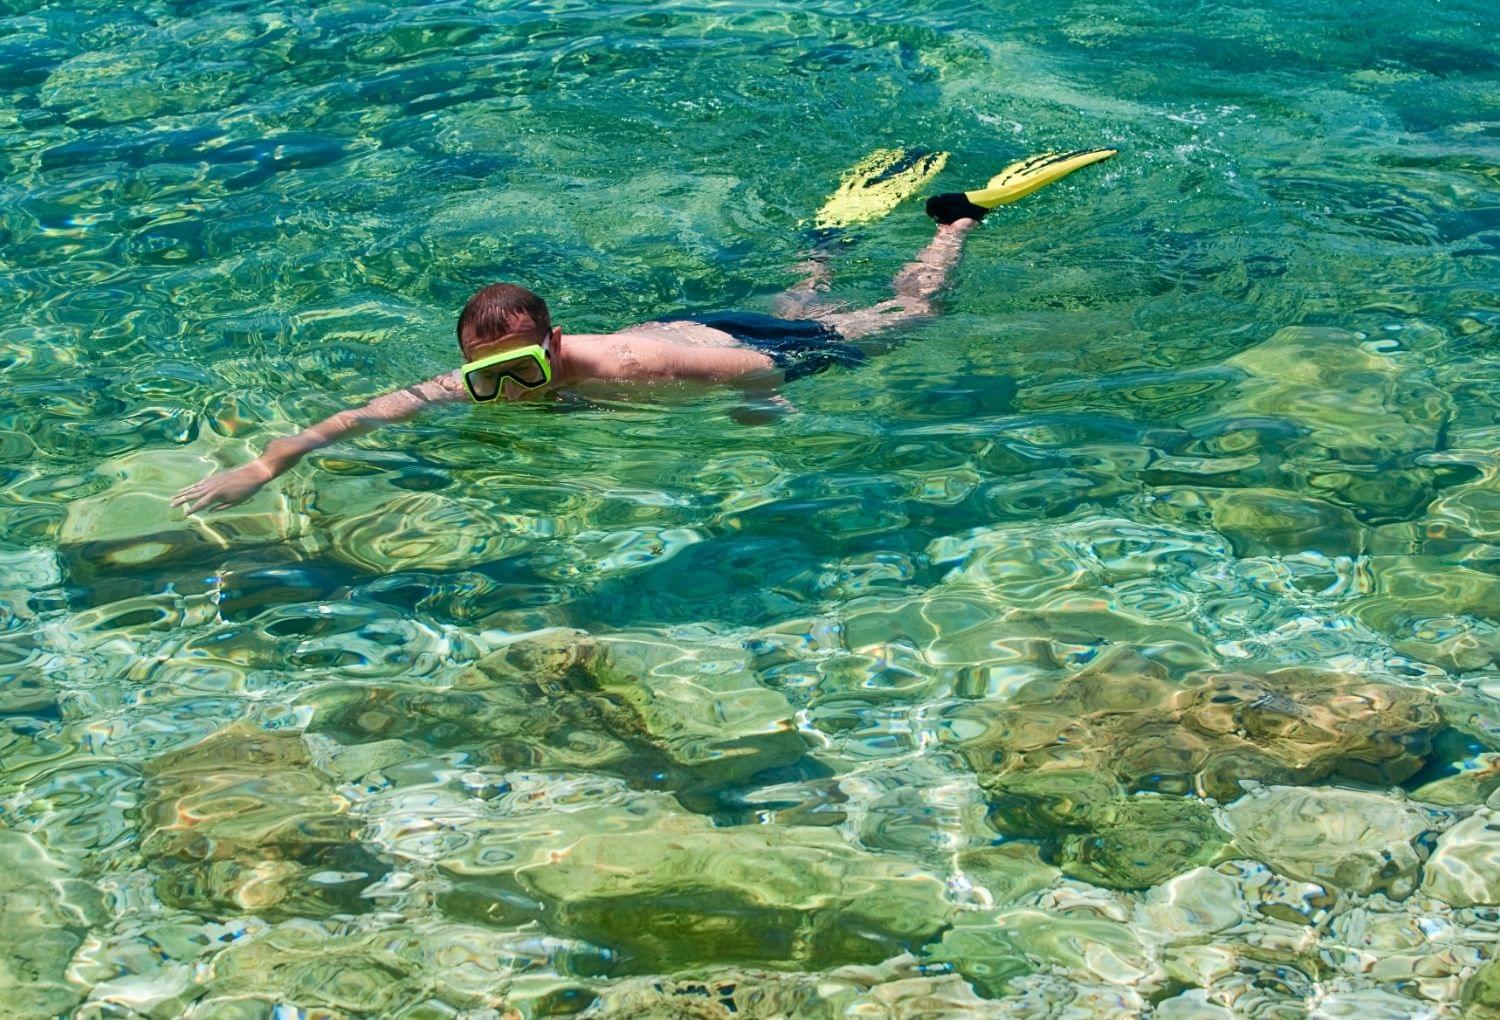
{"points": [[227, 488]]}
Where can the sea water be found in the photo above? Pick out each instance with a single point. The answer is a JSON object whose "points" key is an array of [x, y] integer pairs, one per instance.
{"points": [[1123, 642]]}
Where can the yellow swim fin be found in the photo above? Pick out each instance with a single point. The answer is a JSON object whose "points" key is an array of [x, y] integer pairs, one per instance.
{"points": [[1020, 179], [877, 184]]}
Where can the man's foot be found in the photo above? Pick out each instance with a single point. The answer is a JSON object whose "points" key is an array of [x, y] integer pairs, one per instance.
{"points": [[1016, 181], [954, 206], [802, 299], [816, 276]]}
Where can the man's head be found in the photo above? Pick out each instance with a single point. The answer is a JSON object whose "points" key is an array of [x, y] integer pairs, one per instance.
{"points": [[501, 316]]}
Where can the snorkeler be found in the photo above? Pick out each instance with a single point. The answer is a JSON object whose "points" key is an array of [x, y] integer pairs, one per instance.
{"points": [[514, 352]]}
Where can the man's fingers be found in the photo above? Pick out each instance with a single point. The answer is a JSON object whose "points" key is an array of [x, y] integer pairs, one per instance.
{"points": [[210, 495]]}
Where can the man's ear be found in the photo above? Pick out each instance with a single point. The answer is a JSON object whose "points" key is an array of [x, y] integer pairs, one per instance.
{"points": [[556, 335]]}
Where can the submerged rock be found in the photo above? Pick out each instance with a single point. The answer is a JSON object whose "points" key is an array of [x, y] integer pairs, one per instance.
{"points": [[657, 889], [1007, 872], [1311, 724], [1417, 946], [1354, 423], [546, 657], [1191, 1005], [702, 709], [1123, 721], [356, 714], [1192, 905], [1474, 714], [1434, 609], [1060, 760], [1481, 994], [1140, 841], [1357, 404], [396, 965], [693, 719], [1266, 521], [683, 896], [1458, 645], [1345, 839], [45, 915], [896, 988], [1235, 939], [126, 526], [993, 950], [241, 821], [1474, 782], [1464, 870]]}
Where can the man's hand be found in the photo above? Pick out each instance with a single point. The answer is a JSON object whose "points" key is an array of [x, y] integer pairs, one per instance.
{"points": [[225, 488]]}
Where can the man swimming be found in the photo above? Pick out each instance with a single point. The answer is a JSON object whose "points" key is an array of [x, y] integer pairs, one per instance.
{"points": [[514, 352]]}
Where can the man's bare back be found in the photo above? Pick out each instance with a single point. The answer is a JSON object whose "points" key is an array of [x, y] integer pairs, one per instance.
{"points": [[655, 352]]}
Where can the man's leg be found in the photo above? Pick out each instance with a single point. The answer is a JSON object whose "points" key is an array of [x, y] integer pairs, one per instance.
{"points": [[804, 299], [916, 285]]}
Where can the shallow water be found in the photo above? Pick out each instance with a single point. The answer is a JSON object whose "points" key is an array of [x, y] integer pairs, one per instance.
{"points": [[1125, 643]]}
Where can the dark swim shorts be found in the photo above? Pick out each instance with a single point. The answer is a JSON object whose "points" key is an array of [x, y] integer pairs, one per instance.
{"points": [[799, 347]]}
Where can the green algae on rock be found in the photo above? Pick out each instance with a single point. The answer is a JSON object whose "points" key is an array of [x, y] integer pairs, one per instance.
{"points": [[1266, 521], [684, 896], [660, 715], [1060, 758], [363, 966], [1125, 719], [45, 914], [898, 987], [1434, 609], [702, 709], [1481, 994], [1141, 841], [994, 949], [126, 527], [1356, 405], [242, 822], [1345, 839], [1007, 872], [654, 888]]}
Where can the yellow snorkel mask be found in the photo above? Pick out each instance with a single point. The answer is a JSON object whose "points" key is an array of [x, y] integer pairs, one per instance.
{"points": [[529, 367]]}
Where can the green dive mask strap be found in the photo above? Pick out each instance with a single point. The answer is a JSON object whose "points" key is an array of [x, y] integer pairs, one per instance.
{"points": [[529, 367]]}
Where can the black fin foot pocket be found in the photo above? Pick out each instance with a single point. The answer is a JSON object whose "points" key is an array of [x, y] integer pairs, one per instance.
{"points": [[954, 205]]}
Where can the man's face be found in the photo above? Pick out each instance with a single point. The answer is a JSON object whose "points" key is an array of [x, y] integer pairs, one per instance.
{"points": [[523, 332]]}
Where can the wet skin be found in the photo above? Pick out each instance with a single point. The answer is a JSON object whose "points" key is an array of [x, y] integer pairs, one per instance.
{"points": [[646, 354]]}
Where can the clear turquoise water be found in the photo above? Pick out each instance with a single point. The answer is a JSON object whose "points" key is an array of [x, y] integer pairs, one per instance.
{"points": [[938, 698]]}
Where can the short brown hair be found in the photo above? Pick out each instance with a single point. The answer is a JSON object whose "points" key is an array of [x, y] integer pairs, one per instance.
{"points": [[492, 312]]}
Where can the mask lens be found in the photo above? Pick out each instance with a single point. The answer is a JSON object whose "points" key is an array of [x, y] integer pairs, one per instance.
{"points": [[527, 371], [483, 384]]}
